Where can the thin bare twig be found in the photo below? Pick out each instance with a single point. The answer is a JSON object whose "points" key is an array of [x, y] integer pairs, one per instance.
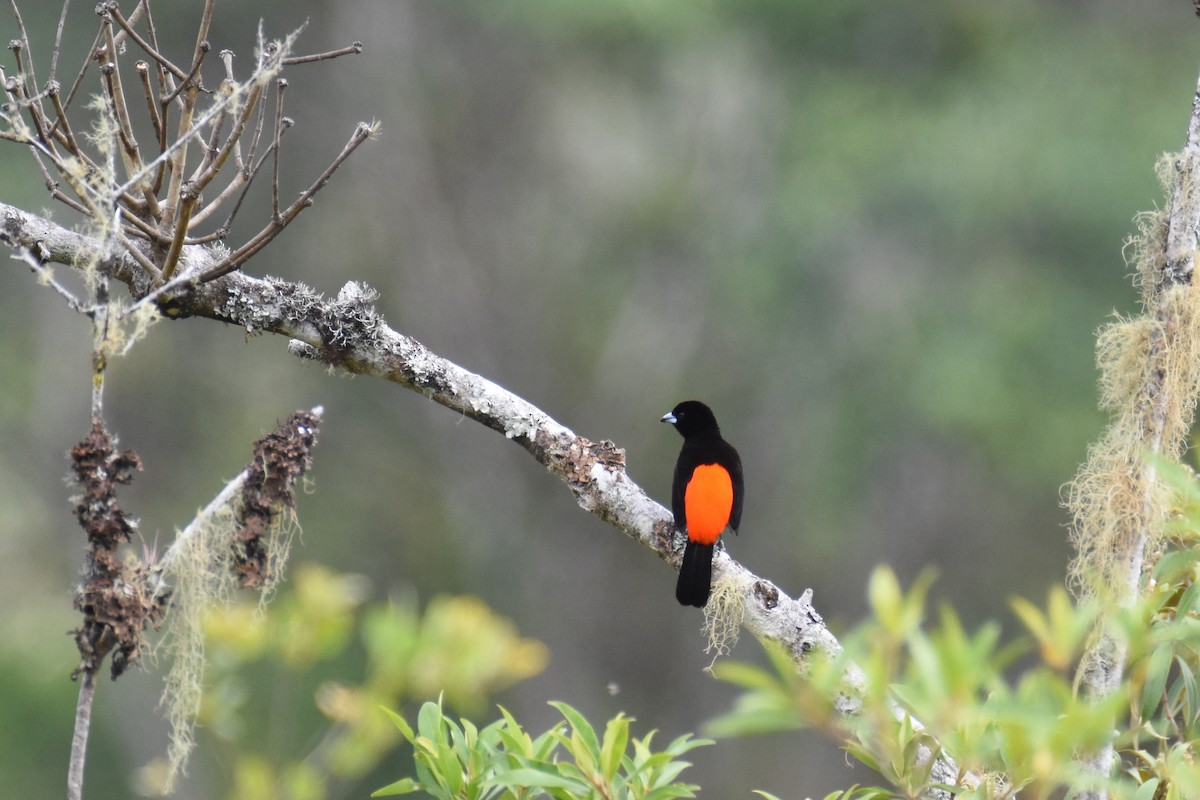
{"points": [[353, 49], [242, 179], [136, 226], [83, 724], [87, 60], [361, 133], [61, 119], [116, 97], [187, 132], [62, 21], [202, 46], [216, 128], [187, 204], [281, 87], [139, 256], [19, 90], [45, 276], [218, 160], [256, 137], [149, 49], [143, 71], [143, 5], [201, 50], [27, 71], [190, 79]]}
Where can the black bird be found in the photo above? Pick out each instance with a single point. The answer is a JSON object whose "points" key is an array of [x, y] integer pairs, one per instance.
{"points": [[706, 496]]}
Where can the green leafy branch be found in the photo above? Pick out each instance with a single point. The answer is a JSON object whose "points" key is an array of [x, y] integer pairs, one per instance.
{"points": [[1010, 711], [458, 761]]}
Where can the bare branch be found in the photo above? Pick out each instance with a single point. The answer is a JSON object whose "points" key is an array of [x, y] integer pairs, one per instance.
{"points": [[62, 21], [79, 740], [213, 164], [18, 88], [87, 60], [127, 27], [281, 87], [142, 5], [20, 46], [187, 203], [61, 119], [353, 49], [242, 180], [260, 240], [143, 71], [140, 257], [116, 96], [202, 46], [190, 78], [186, 132]]}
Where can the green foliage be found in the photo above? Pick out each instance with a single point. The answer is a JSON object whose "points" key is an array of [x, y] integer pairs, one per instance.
{"points": [[571, 760], [855, 792], [1008, 714], [457, 648]]}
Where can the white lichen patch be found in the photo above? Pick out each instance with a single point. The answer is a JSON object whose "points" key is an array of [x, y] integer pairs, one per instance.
{"points": [[523, 426], [604, 478]]}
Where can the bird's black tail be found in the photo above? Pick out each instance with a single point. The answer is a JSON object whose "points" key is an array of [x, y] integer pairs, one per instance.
{"points": [[695, 575]]}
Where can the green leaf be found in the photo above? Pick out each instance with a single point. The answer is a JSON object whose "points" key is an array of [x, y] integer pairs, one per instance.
{"points": [[1188, 600], [616, 737], [883, 592], [1174, 565], [426, 778], [531, 777], [1156, 679], [671, 792], [515, 741], [1186, 693], [402, 786], [586, 747], [429, 721], [544, 745], [747, 676], [863, 755], [746, 723], [400, 723], [451, 768], [1146, 790]]}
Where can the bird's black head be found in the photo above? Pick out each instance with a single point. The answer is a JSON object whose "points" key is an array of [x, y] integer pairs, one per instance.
{"points": [[691, 417]]}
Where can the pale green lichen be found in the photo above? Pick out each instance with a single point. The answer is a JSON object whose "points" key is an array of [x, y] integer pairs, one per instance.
{"points": [[1149, 381]]}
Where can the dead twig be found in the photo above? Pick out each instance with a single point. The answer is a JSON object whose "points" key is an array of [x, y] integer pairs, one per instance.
{"points": [[362, 133], [353, 49]]}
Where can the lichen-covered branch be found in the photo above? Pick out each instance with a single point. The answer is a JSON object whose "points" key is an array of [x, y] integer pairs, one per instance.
{"points": [[1150, 381], [348, 333]]}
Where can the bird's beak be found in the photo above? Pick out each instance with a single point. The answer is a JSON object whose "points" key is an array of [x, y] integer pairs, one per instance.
{"points": [[668, 417]]}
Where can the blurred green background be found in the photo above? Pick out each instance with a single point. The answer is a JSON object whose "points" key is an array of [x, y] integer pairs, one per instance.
{"points": [[877, 238]]}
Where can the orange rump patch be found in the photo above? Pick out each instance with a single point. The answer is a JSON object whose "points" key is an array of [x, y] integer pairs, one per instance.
{"points": [[707, 502]]}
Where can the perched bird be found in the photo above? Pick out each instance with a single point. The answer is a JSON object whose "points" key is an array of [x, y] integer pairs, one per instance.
{"points": [[706, 496]]}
